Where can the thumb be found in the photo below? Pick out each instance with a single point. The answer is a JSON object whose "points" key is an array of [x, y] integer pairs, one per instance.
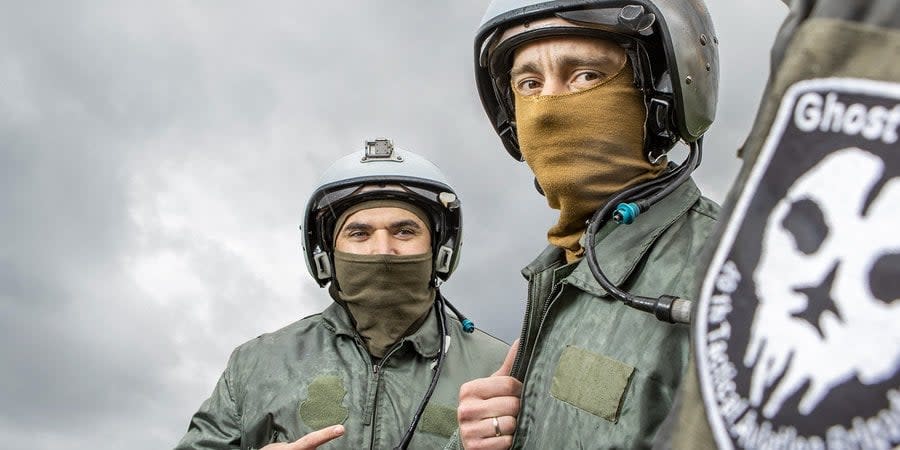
{"points": [[506, 367]]}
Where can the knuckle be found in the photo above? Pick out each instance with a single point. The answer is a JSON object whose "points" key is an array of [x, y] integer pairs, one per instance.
{"points": [[515, 403], [466, 390], [468, 433], [466, 412]]}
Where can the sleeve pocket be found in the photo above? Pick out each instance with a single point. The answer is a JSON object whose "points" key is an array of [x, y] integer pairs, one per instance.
{"points": [[591, 382]]}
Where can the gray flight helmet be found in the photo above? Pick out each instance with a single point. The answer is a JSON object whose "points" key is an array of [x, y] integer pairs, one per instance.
{"points": [[381, 171], [671, 43]]}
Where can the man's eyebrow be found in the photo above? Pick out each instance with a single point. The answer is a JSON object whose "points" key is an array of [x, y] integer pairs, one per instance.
{"points": [[406, 223], [601, 59], [357, 226], [528, 67]]}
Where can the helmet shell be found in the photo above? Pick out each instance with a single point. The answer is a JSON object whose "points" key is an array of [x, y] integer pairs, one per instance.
{"points": [[381, 164], [683, 32]]}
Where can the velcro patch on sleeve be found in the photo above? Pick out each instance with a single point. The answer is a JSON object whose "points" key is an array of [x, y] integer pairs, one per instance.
{"points": [[324, 404], [439, 420], [591, 382]]}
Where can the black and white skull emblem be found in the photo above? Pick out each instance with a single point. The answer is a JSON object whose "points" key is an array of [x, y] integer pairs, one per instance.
{"points": [[824, 315]]}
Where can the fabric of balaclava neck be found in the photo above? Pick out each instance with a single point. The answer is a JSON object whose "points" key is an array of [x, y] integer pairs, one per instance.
{"points": [[388, 296], [583, 148]]}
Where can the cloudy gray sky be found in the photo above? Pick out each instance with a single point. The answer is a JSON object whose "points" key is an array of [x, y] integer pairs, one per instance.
{"points": [[155, 159]]}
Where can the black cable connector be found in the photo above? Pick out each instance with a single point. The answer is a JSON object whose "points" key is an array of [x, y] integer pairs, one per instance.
{"points": [[666, 308], [468, 325]]}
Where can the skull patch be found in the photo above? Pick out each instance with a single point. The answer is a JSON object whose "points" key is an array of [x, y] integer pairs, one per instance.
{"points": [[807, 352]]}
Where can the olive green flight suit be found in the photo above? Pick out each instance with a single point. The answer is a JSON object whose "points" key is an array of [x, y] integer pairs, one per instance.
{"points": [[597, 373], [316, 372]]}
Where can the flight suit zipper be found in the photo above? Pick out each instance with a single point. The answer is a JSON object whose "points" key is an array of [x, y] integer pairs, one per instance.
{"points": [[523, 336], [555, 292], [372, 402], [532, 303]]}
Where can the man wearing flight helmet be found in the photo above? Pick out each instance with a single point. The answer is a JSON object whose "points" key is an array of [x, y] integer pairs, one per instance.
{"points": [[592, 95], [380, 367]]}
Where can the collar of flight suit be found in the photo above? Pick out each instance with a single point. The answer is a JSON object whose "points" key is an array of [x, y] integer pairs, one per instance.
{"points": [[619, 248], [426, 340]]}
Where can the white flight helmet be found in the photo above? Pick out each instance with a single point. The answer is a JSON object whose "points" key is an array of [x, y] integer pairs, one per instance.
{"points": [[672, 46], [381, 164]]}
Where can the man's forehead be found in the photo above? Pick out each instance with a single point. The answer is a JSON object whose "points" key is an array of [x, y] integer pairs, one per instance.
{"points": [[385, 214], [568, 50]]}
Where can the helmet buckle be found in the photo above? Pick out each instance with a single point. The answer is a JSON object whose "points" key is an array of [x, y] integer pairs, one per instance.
{"points": [[323, 265], [380, 150], [442, 262]]}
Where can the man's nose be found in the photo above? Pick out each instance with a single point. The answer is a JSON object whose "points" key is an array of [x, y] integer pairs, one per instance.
{"points": [[382, 244], [555, 86]]}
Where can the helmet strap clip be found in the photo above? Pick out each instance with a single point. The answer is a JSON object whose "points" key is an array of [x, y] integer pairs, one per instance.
{"points": [[442, 262], [323, 265]]}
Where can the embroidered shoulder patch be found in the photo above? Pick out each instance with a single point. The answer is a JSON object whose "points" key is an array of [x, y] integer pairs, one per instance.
{"points": [[324, 403], [796, 331]]}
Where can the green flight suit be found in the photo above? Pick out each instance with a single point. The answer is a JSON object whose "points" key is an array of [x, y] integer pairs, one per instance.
{"points": [[597, 373], [818, 39], [316, 372]]}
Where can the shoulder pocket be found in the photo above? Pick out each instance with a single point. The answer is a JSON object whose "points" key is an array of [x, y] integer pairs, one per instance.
{"points": [[591, 382]]}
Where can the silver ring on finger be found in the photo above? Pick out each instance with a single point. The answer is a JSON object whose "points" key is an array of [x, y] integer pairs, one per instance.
{"points": [[497, 432]]}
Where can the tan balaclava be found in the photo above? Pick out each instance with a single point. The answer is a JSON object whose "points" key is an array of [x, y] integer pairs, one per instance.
{"points": [[388, 296], [583, 148]]}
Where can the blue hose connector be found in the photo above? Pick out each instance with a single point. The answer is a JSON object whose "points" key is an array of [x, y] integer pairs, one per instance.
{"points": [[626, 213], [468, 326]]}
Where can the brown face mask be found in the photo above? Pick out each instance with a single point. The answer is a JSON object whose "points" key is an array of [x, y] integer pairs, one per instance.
{"points": [[388, 295], [583, 148]]}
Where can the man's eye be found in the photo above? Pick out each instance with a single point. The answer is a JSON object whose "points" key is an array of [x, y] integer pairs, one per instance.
{"points": [[357, 234], [406, 231], [528, 86], [589, 76]]}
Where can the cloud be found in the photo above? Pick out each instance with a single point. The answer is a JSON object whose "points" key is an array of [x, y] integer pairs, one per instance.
{"points": [[155, 160]]}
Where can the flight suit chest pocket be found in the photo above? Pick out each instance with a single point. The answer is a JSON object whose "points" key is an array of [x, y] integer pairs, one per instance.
{"points": [[591, 382]]}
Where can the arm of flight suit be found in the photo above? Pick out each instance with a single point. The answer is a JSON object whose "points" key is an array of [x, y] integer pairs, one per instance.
{"points": [[216, 425], [818, 39]]}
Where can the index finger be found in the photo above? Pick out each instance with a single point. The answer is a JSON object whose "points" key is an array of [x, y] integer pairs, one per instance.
{"points": [[317, 438]]}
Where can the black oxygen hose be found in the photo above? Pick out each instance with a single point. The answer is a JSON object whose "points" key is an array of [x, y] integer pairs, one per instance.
{"points": [[439, 306], [666, 308]]}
